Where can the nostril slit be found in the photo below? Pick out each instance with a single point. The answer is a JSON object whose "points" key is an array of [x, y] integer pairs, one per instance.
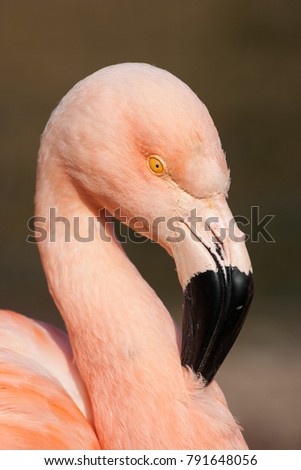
{"points": [[218, 249], [219, 233]]}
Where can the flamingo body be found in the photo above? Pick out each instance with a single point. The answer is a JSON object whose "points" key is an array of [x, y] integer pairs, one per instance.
{"points": [[43, 403]]}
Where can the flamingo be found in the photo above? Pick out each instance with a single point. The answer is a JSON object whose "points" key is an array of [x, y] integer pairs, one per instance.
{"points": [[133, 140]]}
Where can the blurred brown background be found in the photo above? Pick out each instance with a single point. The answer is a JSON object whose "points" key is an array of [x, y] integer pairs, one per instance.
{"points": [[242, 59]]}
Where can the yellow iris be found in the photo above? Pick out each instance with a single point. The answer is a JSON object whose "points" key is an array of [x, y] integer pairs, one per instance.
{"points": [[155, 165]]}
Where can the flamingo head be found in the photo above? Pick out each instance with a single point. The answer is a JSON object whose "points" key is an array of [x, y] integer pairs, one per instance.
{"points": [[137, 141]]}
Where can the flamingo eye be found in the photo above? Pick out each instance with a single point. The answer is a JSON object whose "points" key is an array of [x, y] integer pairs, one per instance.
{"points": [[155, 165]]}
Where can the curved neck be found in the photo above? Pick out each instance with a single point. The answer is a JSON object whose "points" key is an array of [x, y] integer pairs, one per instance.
{"points": [[124, 341]]}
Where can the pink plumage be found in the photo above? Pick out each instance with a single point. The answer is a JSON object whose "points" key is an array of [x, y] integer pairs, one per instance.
{"points": [[116, 381]]}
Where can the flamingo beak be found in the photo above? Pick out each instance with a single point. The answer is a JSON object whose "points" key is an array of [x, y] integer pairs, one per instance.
{"points": [[216, 275]]}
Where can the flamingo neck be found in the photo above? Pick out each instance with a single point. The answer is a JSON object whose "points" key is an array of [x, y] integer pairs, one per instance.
{"points": [[124, 341]]}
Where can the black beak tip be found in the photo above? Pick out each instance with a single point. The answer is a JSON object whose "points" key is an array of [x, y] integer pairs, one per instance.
{"points": [[215, 307]]}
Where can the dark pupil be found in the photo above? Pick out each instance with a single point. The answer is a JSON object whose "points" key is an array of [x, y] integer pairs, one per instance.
{"points": [[157, 165]]}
